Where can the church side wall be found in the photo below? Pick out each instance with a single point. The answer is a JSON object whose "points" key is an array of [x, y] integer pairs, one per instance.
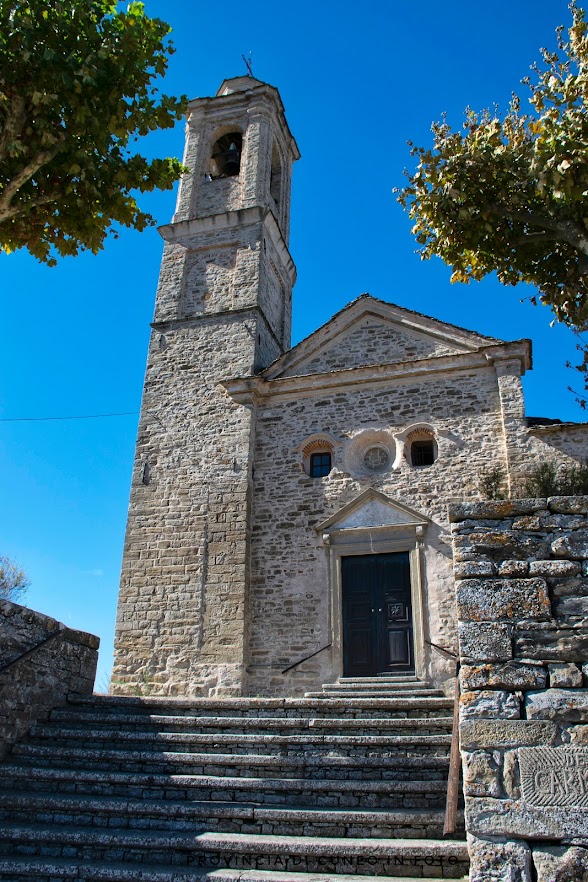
{"points": [[522, 600], [565, 444], [290, 582]]}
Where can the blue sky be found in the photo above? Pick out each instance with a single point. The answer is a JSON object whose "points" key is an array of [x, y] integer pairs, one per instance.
{"points": [[357, 81]]}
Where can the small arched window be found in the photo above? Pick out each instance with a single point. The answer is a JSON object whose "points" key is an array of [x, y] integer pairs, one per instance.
{"points": [[317, 456], [226, 156], [320, 464], [422, 453], [421, 448]]}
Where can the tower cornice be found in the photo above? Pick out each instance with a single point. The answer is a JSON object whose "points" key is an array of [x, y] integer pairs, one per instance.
{"points": [[176, 233]]}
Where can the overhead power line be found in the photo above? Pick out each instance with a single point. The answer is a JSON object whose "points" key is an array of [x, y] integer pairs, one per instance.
{"points": [[90, 416]]}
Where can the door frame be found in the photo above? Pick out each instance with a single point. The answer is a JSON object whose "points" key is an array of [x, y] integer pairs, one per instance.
{"points": [[375, 540]]}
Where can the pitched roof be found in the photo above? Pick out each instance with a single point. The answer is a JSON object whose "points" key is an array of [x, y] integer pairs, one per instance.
{"points": [[413, 325]]}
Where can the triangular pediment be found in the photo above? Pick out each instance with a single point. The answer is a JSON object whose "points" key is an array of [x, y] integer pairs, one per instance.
{"points": [[369, 332], [372, 509]]}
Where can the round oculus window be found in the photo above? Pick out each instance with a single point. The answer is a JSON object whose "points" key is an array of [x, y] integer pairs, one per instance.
{"points": [[376, 459]]}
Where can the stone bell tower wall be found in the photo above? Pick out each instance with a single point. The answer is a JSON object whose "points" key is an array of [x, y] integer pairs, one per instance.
{"points": [[223, 309], [522, 603]]}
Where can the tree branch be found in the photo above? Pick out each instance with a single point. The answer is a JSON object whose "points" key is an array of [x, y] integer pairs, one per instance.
{"points": [[13, 123], [566, 230], [32, 203], [25, 174]]}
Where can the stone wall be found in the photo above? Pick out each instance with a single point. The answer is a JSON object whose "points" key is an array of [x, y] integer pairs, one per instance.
{"points": [[521, 571], [44, 678]]}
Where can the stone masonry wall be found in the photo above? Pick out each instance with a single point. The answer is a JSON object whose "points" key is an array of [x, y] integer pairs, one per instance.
{"points": [[521, 570], [289, 607], [370, 343], [180, 621], [44, 679]]}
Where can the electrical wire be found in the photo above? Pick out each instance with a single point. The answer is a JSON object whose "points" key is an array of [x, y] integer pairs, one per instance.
{"points": [[91, 416]]}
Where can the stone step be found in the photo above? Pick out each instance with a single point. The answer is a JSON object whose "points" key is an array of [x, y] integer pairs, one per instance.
{"points": [[61, 723], [293, 791], [197, 817], [373, 692], [220, 725], [31, 870], [386, 678], [308, 854], [323, 706], [311, 744], [116, 758], [394, 687]]}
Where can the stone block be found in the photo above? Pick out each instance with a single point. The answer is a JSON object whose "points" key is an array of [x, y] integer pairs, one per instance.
{"points": [[575, 585], [554, 568], [515, 818], [492, 861], [502, 734], [529, 522], [511, 779], [497, 509], [485, 641], [572, 545], [545, 642], [572, 606], [562, 675], [481, 773], [509, 544], [561, 705], [467, 568], [561, 863], [513, 568], [578, 735], [490, 704], [568, 504], [512, 675], [480, 600], [554, 777]]}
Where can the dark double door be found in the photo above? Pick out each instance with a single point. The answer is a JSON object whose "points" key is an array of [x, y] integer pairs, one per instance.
{"points": [[377, 614]]}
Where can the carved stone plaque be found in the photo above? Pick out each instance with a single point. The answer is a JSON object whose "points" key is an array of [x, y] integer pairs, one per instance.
{"points": [[554, 776]]}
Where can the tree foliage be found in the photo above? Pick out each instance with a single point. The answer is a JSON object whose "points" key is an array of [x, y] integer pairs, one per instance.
{"points": [[13, 581], [509, 193], [76, 86]]}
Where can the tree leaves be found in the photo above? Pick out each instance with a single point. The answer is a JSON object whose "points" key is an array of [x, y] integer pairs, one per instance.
{"points": [[76, 85], [508, 194]]}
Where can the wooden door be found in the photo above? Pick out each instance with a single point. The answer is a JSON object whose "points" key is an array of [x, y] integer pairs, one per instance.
{"points": [[377, 614]]}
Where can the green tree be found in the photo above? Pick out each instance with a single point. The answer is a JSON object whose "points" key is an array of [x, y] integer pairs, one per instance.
{"points": [[508, 194], [76, 86], [13, 581]]}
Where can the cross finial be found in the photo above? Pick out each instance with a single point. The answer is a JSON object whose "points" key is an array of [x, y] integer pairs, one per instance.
{"points": [[248, 63]]}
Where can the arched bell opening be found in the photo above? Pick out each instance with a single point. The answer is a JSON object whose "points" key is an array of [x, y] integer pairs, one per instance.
{"points": [[225, 161], [276, 177]]}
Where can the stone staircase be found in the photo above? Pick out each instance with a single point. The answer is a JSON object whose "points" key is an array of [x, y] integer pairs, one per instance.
{"points": [[348, 783]]}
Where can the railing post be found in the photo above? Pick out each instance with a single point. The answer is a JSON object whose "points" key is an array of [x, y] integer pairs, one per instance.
{"points": [[454, 767]]}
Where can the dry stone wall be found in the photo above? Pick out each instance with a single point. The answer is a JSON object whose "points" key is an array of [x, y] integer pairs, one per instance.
{"points": [[32, 684], [521, 570]]}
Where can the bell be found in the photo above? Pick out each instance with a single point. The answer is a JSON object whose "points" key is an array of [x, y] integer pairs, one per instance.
{"points": [[232, 160]]}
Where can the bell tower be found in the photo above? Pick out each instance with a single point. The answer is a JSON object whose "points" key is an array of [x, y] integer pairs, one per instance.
{"points": [[223, 309]]}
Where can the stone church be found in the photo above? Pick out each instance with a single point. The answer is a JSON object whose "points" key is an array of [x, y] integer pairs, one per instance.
{"points": [[288, 515]]}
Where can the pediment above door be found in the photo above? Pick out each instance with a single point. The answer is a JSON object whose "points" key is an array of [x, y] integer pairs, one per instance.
{"points": [[373, 510]]}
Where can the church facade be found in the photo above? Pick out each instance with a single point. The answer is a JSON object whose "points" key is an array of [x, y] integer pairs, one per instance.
{"points": [[288, 514]]}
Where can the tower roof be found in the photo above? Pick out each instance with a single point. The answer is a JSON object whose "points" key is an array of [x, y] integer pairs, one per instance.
{"points": [[238, 84]]}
